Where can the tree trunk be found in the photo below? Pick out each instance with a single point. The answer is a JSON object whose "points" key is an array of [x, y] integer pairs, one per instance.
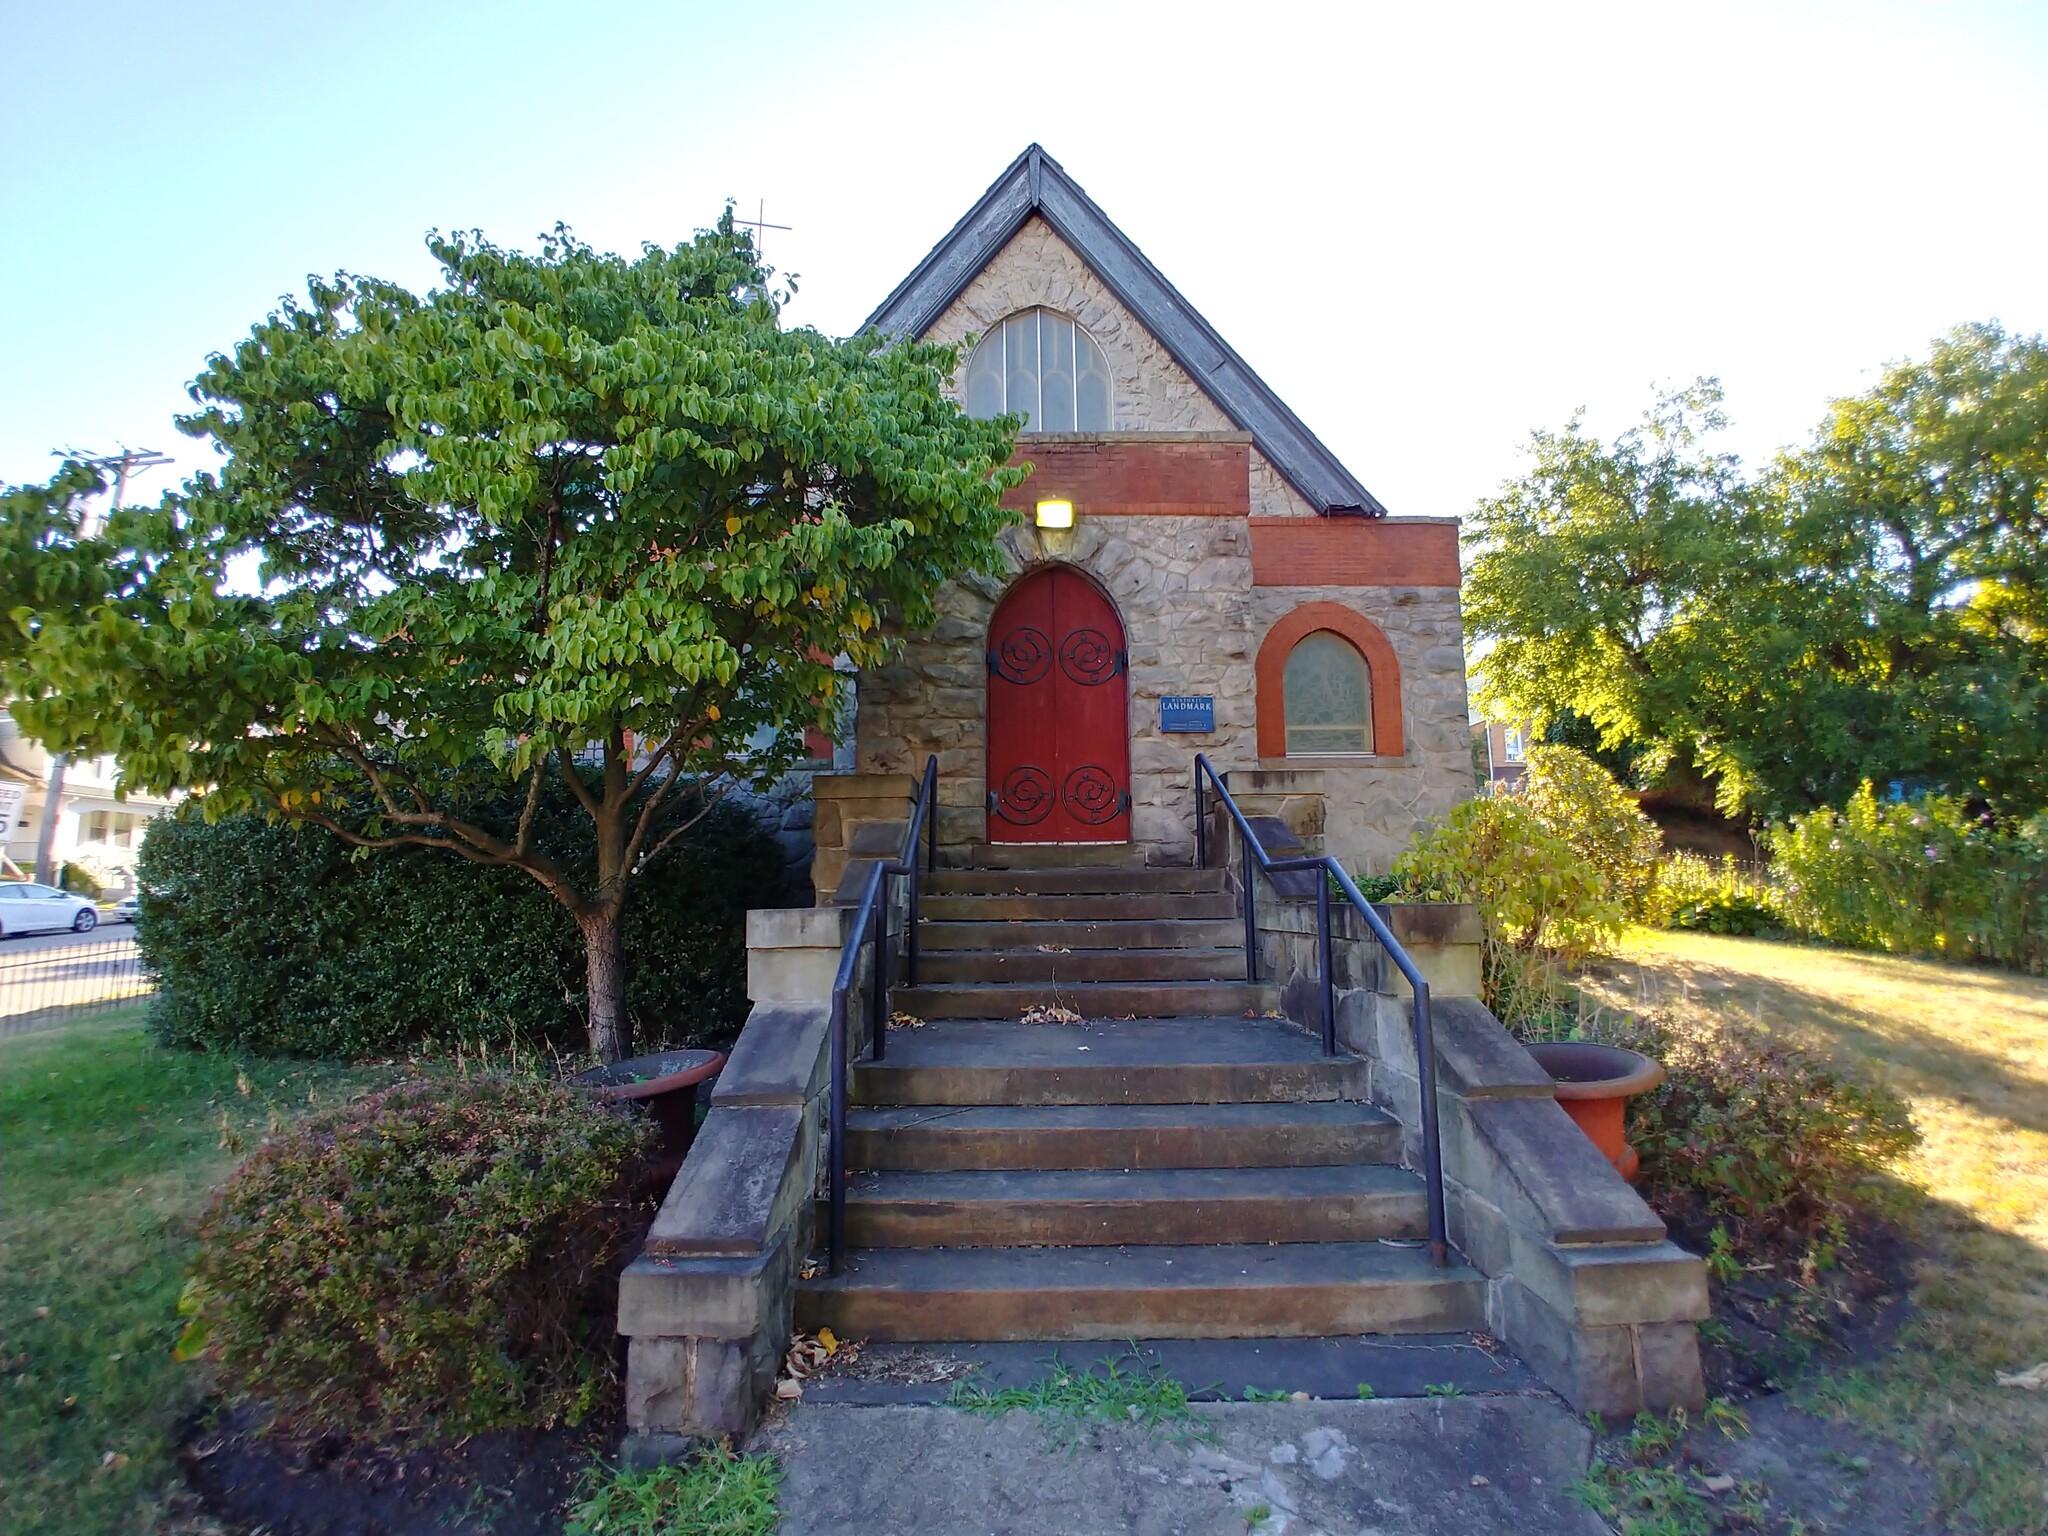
{"points": [[607, 973]]}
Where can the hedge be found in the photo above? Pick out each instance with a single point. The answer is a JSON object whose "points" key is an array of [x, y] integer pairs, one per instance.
{"points": [[273, 939]]}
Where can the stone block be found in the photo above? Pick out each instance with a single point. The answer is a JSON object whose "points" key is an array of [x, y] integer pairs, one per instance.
{"points": [[779, 1058], [1479, 1229], [1593, 1369], [702, 1387], [1528, 1149], [863, 786], [793, 952], [710, 1297], [734, 1192], [1476, 1057], [1613, 1284], [877, 839], [1668, 1367]]}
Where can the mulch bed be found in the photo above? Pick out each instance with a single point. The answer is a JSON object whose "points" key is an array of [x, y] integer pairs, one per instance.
{"points": [[1781, 1319], [252, 1477]]}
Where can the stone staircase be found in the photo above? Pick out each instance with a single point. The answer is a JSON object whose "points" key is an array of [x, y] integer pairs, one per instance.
{"points": [[1184, 1163]]}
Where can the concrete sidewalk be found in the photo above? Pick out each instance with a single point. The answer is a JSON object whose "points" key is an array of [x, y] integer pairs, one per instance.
{"points": [[1460, 1466]]}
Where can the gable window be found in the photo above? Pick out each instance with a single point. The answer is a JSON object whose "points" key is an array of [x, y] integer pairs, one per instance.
{"points": [[1328, 689], [1043, 366]]}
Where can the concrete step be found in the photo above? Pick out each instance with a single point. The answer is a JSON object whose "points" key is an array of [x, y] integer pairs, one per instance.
{"points": [[1139, 933], [1068, 964], [1043, 856], [1034, 1208], [1107, 1061], [1090, 999], [1087, 909], [1288, 1290], [1073, 882], [1126, 1136]]}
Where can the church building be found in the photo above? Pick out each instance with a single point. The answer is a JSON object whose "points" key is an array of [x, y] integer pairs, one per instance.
{"points": [[1196, 572]]}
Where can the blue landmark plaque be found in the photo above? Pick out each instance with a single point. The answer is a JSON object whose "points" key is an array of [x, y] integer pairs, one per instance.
{"points": [[1187, 712]]}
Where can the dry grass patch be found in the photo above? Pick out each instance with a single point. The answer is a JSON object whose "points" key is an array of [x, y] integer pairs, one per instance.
{"points": [[1968, 1049]]}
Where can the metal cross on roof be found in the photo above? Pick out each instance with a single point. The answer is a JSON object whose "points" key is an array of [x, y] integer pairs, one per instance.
{"points": [[758, 223]]}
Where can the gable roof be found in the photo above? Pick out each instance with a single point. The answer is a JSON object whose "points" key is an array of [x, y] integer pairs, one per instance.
{"points": [[1035, 183]]}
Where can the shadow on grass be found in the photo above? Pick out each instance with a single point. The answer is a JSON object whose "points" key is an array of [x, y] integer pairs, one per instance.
{"points": [[1915, 1058]]}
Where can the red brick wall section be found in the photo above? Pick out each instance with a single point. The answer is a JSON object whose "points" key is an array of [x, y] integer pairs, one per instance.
{"points": [[1353, 552], [1137, 479], [1269, 673]]}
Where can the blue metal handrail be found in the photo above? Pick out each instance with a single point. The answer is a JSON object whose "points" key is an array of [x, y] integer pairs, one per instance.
{"points": [[1330, 871], [871, 924]]}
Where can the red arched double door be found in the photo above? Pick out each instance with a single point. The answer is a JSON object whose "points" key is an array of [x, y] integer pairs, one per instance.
{"points": [[1059, 747]]}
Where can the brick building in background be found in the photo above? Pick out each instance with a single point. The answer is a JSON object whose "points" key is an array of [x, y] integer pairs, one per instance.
{"points": [[1196, 572]]}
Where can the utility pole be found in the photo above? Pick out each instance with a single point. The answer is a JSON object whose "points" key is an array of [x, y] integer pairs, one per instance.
{"points": [[129, 461]]}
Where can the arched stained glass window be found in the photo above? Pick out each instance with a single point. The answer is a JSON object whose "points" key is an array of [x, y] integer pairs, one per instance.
{"points": [[1042, 365], [1329, 697]]}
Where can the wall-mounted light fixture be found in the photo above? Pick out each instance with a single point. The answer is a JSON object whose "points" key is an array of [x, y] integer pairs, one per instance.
{"points": [[1055, 514]]}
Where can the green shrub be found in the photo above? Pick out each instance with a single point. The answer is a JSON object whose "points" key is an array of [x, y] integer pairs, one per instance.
{"points": [[1918, 877], [439, 1257], [1581, 802], [1694, 894], [1541, 904], [80, 880], [1749, 1135], [272, 939]]}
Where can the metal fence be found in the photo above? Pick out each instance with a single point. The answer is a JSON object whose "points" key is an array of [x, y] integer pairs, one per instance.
{"points": [[45, 986]]}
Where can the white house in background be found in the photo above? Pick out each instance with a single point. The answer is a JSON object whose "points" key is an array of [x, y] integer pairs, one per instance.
{"points": [[93, 827]]}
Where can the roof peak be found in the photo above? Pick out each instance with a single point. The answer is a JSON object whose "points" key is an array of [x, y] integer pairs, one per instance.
{"points": [[1035, 183]]}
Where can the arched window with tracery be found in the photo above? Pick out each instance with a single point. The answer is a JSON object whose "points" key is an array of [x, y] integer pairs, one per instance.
{"points": [[1040, 364], [1328, 697]]}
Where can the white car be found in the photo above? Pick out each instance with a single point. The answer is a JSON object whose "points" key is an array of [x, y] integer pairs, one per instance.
{"points": [[29, 908]]}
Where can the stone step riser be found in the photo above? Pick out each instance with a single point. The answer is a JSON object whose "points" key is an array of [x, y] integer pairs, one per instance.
{"points": [[1155, 933], [1074, 882], [1186, 1312], [910, 1223], [1110, 908], [1032, 965], [1042, 856], [937, 1147], [1095, 1000], [1179, 1083]]}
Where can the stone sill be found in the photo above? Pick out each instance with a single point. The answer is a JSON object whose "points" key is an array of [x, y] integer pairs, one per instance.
{"points": [[1334, 759]]}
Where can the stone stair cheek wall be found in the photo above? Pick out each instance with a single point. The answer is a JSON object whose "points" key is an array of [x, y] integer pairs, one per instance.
{"points": [[1583, 1282], [706, 1305]]}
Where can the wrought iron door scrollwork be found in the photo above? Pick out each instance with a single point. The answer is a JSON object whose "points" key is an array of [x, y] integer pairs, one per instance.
{"points": [[1026, 797], [1023, 658], [1088, 657], [1091, 796]]}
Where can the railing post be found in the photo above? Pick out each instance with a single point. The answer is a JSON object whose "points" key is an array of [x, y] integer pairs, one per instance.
{"points": [[931, 815], [878, 993], [835, 1140], [1201, 819], [1432, 1150], [1251, 921], [1323, 961]]}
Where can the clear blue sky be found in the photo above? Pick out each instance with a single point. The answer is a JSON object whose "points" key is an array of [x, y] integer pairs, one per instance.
{"points": [[1431, 228]]}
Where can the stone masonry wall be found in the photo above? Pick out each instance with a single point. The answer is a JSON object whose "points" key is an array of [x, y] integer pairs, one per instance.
{"points": [[1152, 392], [1373, 805], [1183, 588]]}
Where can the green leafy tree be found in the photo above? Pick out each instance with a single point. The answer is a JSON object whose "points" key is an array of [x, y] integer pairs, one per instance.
{"points": [[1871, 607], [599, 518]]}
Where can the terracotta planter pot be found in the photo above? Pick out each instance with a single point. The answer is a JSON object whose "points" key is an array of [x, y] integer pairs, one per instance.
{"points": [[663, 1084], [1594, 1083]]}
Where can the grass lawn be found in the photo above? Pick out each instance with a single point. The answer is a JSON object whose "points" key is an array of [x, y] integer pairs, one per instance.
{"points": [[1968, 1049], [109, 1147]]}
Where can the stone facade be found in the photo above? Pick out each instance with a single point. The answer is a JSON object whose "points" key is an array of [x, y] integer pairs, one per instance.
{"points": [[1168, 534]]}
